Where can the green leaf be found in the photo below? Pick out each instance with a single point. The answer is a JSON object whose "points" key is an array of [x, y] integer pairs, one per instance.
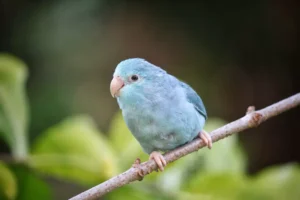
{"points": [[74, 150], [13, 104], [8, 185], [30, 185], [274, 183], [225, 162], [124, 143], [279, 182], [138, 192], [217, 185], [226, 155]]}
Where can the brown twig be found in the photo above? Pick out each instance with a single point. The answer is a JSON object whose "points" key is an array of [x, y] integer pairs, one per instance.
{"points": [[250, 120]]}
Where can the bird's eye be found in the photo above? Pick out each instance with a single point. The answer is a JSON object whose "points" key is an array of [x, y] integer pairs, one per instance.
{"points": [[134, 77]]}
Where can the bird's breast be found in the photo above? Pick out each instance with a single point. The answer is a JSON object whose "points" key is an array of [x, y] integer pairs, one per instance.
{"points": [[162, 124], [147, 124]]}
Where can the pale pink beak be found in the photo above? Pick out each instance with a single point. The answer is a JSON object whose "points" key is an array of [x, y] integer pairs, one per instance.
{"points": [[116, 85]]}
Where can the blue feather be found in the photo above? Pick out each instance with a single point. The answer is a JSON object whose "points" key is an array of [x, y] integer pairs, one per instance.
{"points": [[193, 97]]}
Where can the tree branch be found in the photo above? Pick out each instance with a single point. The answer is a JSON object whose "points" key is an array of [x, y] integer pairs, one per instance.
{"points": [[250, 120]]}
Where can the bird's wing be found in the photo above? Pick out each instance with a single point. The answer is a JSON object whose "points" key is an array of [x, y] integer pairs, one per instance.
{"points": [[194, 98]]}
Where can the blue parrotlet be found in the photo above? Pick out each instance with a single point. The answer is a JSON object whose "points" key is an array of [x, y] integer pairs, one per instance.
{"points": [[161, 111]]}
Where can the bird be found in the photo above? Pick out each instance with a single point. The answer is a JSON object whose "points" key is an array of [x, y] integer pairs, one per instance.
{"points": [[161, 111]]}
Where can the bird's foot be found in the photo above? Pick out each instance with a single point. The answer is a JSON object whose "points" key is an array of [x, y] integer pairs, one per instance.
{"points": [[206, 138], [159, 160], [137, 165]]}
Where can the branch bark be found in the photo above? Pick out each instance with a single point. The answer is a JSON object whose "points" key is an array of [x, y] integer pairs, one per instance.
{"points": [[250, 120]]}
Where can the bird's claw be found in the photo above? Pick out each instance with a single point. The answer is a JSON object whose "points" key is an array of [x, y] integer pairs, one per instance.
{"points": [[159, 160], [137, 165], [206, 138]]}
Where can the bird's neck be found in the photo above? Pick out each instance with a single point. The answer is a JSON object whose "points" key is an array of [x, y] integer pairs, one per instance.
{"points": [[136, 102]]}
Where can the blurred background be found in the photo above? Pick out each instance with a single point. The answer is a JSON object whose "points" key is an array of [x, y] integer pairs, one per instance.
{"points": [[61, 131]]}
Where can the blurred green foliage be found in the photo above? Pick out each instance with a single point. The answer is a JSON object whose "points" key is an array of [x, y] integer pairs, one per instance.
{"points": [[13, 104], [73, 148], [8, 185], [30, 184], [76, 151]]}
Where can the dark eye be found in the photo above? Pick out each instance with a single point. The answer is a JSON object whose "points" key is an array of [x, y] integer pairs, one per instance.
{"points": [[134, 78]]}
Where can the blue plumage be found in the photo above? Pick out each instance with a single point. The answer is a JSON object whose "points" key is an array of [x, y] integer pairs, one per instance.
{"points": [[161, 112]]}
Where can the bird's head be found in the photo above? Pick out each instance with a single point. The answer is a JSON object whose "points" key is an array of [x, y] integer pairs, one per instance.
{"points": [[133, 76]]}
